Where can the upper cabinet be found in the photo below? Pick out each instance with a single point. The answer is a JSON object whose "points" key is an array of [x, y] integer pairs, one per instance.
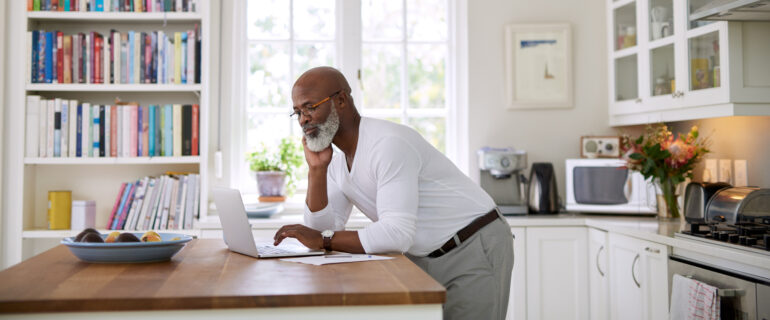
{"points": [[664, 66]]}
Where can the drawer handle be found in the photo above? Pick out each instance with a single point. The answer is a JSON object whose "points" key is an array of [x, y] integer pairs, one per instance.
{"points": [[597, 261], [633, 271], [648, 249]]}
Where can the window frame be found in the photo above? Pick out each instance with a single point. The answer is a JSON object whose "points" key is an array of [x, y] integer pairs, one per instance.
{"points": [[348, 43]]}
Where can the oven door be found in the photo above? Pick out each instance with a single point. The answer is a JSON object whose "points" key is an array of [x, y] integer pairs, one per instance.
{"points": [[738, 294]]}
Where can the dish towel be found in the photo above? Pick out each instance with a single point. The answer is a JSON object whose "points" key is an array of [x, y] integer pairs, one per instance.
{"points": [[692, 299]]}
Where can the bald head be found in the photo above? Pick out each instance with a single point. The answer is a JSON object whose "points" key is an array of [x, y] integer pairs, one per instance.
{"points": [[327, 80]]}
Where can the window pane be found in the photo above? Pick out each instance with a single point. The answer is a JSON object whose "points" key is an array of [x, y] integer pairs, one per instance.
{"points": [[265, 128], [432, 129], [426, 20], [314, 19], [381, 75], [268, 80], [427, 72], [268, 19], [382, 20], [308, 56]]}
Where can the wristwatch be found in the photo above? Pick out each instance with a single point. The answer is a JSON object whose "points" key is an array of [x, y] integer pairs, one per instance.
{"points": [[327, 235]]}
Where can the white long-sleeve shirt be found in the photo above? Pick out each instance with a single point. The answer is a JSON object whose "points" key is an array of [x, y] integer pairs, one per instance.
{"points": [[415, 195]]}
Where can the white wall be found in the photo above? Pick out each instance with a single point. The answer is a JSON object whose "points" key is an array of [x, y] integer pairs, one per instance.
{"points": [[2, 112], [547, 135]]}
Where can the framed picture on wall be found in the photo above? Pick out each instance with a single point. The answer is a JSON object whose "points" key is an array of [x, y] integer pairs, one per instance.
{"points": [[538, 66]]}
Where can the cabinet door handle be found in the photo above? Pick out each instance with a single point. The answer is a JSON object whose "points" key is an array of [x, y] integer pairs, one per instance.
{"points": [[648, 249], [597, 261], [633, 271]]}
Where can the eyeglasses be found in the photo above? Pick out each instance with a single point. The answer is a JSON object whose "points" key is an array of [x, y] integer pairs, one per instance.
{"points": [[309, 110]]}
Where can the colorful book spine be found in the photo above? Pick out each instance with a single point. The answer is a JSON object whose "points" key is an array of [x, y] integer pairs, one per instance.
{"points": [[102, 127], [195, 130], [65, 125], [114, 131], [79, 142], [186, 130], [177, 130], [133, 132], [139, 124], [95, 131], [115, 207], [57, 129], [168, 138], [151, 131]]}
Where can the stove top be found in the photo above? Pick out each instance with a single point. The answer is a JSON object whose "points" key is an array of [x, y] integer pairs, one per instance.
{"points": [[749, 237]]}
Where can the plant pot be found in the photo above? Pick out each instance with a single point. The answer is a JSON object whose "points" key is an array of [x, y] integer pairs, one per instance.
{"points": [[271, 183]]}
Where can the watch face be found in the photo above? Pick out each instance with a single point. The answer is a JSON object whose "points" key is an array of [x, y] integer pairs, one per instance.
{"points": [[327, 233]]}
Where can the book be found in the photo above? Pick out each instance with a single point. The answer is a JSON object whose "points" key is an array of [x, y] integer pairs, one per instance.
{"points": [[155, 205], [65, 127], [79, 140], [117, 223], [190, 65], [73, 121], [183, 55], [169, 202], [145, 128], [114, 131], [126, 136], [95, 131], [66, 76], [43, 128], [76, 58], [102, 127], [139, 125], [50, 127], [177, 57], [177, 130], [59, 210], [195, 131], [59, 57], [151, 131], [136, 204], [133, 131], [107, 124], [186, 129], [48, 61], [168, 139], [33, 51], [149, 194], [136, 55], [32, 139], [87, 130], [197, 57], [189, 198], [115, 207], [57, 128]]}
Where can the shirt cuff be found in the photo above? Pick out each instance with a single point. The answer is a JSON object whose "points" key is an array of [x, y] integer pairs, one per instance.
{"points": [[320, 220]]}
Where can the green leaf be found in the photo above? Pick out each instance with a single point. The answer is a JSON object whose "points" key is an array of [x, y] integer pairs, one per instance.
{"points": [[636, 156]]}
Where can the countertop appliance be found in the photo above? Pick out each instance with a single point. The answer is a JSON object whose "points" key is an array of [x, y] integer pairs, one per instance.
{"points": [[607, 186], [737, 218], [733, 10], [542, 194], [501, 176], [697, 196]]}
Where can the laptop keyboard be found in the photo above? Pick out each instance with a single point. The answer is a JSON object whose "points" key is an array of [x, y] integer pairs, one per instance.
{"points": [[269, 250]]}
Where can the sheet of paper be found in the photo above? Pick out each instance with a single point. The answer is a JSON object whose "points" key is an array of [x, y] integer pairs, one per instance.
{"points": [[336, 258]]}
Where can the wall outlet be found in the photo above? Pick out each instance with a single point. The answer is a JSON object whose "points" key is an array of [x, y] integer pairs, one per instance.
{"points": [[710, 172], [741, 178], [725, 170]]}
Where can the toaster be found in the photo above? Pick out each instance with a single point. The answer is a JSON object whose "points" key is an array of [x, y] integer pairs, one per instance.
{"points": [[696, 197], [739, 205]]}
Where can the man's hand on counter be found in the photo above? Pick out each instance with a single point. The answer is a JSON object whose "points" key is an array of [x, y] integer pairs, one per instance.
{"points": [[311, 238]]}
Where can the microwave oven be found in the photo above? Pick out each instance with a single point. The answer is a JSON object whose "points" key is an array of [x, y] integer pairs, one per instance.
{"points": [[607, 186]]}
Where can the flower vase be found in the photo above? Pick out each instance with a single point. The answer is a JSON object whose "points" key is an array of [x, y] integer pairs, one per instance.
{"points": [[668, 206]]}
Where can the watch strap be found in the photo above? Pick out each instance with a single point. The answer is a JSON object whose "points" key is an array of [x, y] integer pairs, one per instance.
{"points": [[328, 243]]}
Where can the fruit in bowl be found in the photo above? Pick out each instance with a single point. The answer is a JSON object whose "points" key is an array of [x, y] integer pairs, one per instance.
{"points": [[85, 232], [127, 237], [151, 236], [112, 237]]}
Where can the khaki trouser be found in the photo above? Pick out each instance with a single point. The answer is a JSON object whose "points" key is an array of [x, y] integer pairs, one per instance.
{"points": [[477, 274]]}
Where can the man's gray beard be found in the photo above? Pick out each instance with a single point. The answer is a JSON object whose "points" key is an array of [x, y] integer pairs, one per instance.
{"points": [[326, 132]]}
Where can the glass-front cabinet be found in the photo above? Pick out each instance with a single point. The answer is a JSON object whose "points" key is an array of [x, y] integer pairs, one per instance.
{"points": [[665, 66]]}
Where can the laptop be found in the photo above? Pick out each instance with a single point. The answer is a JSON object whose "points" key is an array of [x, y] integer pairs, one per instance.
{"points": [[237, 230]]}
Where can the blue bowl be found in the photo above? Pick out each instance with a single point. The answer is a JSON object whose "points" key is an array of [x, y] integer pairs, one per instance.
{"points": [[128, 252]]}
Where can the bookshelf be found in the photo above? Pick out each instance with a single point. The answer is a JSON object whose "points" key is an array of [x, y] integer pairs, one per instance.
{"points": [[24, 228]]}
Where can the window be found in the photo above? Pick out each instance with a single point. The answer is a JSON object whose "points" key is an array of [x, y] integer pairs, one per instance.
{"points": [[395, 54]]}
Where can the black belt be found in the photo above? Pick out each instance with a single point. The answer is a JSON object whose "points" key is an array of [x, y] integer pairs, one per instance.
{"points": [[465, 233]]}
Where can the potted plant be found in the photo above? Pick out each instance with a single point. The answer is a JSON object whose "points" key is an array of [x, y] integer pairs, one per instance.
{"points": [[667, 160], [276, 170]]}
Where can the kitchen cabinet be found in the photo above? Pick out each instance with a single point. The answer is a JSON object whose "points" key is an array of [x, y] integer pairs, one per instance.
{"points": [[598, 274], [638, 278], [664, 67], [517, 299], [557, 275]]}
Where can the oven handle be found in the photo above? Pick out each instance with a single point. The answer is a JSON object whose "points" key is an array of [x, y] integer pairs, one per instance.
{"points": [[633, 271], [727, 293], [597, 261]]}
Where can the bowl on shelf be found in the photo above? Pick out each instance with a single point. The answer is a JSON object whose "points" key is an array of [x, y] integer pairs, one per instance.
{"points": [[128, 252], [262, 210]]}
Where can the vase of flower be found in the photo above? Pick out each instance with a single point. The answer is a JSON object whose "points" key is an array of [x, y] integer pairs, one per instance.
{"points": [[668, 206], [667, 160]]}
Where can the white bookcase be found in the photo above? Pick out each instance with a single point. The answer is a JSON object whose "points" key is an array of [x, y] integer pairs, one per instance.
{"points": [[24, 229]]}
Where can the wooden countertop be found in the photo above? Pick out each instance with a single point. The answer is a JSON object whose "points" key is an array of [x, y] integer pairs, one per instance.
{"points": [[205, 275]]}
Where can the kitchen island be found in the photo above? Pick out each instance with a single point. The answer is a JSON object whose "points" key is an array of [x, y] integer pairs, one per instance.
{"points": [[205, 280]]}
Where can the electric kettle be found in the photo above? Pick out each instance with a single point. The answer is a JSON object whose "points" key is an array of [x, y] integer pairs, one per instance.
{"points": [[542, 194]]}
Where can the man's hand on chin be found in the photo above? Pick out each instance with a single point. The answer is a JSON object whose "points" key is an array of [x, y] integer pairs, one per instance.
{"points": [[317, 160], [309, 237]]}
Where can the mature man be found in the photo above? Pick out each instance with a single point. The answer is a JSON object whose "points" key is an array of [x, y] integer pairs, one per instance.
{"points": [[421, 204]]}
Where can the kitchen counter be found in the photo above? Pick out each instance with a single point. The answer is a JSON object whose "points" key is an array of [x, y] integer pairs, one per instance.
{"points": [[207, 277], [641, 227]]}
